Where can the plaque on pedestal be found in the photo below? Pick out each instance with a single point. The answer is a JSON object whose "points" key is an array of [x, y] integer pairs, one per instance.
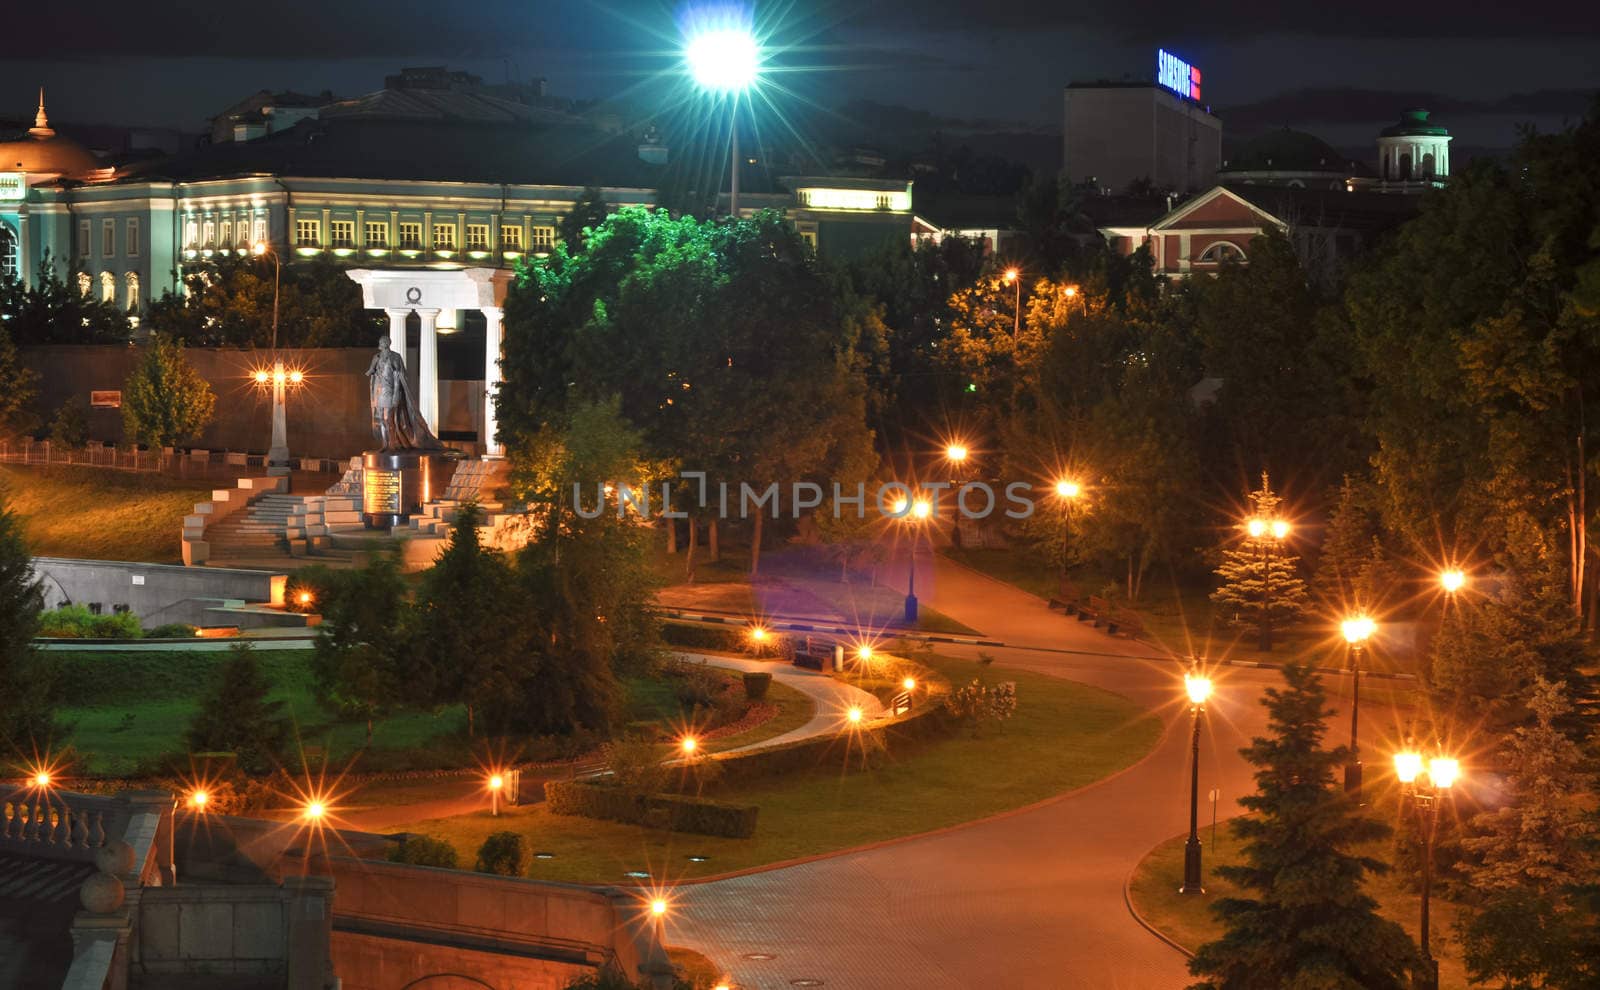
{"points": [[395, 484]]}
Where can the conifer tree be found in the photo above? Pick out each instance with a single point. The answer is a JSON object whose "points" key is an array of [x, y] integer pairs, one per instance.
{"points": [[25, 682], [1307, 922], [1261, 575], [362, 648], [1534, 852], [235, 715], [1345, 548]]}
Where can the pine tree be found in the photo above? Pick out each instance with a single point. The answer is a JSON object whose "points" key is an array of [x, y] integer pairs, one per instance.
{"points": [[25, 674], [1308, 924], [362, 644], [1345, 548], [1533, 853], [1260, 574], [165, 401], [235, 715]]}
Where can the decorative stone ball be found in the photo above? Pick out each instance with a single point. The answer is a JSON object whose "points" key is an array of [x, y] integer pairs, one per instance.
{"points": [[101, 893], [115, 857]]}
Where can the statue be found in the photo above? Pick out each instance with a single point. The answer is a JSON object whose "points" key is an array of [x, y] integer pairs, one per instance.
{"points": [[395, 421]]}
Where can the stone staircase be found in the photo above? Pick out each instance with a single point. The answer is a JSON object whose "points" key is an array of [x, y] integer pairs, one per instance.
{"points": [[256, 532]]}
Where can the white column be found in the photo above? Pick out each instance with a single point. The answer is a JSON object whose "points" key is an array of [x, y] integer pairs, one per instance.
{"points": [[397, 331], [428, 369], [491, 380]]}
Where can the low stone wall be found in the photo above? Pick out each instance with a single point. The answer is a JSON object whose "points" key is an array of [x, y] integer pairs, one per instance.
{"points": [[156, 593], [277, 934]]}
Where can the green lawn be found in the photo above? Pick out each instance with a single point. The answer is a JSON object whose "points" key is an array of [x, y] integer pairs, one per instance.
{"points": [[101, 514], [125, 708], [1188, 921], [1064, 735]]}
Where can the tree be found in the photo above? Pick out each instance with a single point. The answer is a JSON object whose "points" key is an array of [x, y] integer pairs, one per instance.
{"points": [[360, 665], [57, 310], [1532, 853], [165, 402], [1307, 922], [473, 640], [1260, 577], [1346, 546], [587, 214], [26, 683], [16, 388], [70, 428], [228, 303], [236, 716], [502, 854]]}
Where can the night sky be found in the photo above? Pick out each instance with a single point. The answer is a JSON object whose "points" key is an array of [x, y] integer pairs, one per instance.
{"points": [[1338, 70]]}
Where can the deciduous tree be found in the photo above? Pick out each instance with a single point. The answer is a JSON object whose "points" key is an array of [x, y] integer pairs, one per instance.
{"points": [[165, 401], [363, 651]]}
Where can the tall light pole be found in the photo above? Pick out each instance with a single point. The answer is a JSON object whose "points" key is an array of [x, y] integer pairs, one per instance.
{"points": [[1068, 492], [1260, 530], [1356, 631], [278, 453], [725, 60], [915, 514], [955, 454], [1013, 276], [1423, 792], [1072, 292], [1199, 689]]}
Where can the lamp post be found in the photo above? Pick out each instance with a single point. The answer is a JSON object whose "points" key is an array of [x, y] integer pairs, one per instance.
{"points": [[496, 782], [955, 454], [1423, 792], [1356, 631], [1260, 530], [725, 60], [1199, 689], [1013, 276], [278, 453], [1068, 492], [1072, 292], [916, 513]]}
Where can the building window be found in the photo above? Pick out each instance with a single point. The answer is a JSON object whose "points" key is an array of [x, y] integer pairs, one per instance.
{"points": [[227, 233], [108, 238], [477, 237], [10, 262], [208, 234], [377, 233], [411, 236], [85, 284], [191, 235], [85, 244], [260, 231], [308, 233], [885, 201], [342, 233], [132, 246], [1220, 252], [810, 237], [133, 290], [511, 238], [444, 236], [544, 238], [108, 287]]}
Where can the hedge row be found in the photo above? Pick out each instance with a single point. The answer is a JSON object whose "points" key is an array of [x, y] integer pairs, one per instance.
{"points": [[730, 639], [673, 812]]}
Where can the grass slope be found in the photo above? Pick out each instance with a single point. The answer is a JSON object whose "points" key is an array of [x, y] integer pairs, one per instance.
{"points": [[1064, 735], [100, 514]]}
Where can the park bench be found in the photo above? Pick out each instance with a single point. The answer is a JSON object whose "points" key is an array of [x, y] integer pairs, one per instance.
{"points": [[1116, 620], [1068, 598], [815, 652]]}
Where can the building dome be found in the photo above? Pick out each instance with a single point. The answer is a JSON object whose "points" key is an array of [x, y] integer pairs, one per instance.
{"points": [[1414, 150], [42, 151], [1413, 123]]}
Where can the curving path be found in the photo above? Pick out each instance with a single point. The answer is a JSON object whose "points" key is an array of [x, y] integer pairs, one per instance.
{"points": [[1029, 899]]}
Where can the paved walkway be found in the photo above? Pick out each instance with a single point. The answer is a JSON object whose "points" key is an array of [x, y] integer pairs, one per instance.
{"points": [[1029, 900]]}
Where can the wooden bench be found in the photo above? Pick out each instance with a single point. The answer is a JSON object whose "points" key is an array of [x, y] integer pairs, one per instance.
{"points": [[1126, 621], [1067, 598], [1116, 620], [814, 652]]}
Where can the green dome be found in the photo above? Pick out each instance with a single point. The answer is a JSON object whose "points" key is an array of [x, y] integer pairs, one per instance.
{"points": [[1414, 123]]}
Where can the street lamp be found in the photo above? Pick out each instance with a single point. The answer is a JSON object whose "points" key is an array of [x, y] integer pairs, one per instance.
{"points": [[1198, 689], [278, 453], [1357, 631], [726, 60], [1013, 276], [916, 513], [1423, 792], [495, 783], [1072, 292], [1452, 580], [1068, 492], [1260, 530]]}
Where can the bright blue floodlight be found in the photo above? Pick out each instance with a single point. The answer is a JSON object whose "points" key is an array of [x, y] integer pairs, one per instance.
{"points": [[724, 60]]}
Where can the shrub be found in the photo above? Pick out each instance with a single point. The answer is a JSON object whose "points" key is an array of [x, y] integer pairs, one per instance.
{"points": [[756, 683], [726, 638], [502, 854], [977, 704], [77, 622], [698, 685], [70, 428], [424, 850], [171, 630], [635, 765], [677, 813]]}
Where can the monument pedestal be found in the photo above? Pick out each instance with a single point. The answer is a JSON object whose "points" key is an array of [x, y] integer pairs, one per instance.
{"points": [[395, 484]]}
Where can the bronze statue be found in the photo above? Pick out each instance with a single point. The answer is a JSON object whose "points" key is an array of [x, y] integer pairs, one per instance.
{"points": [[395, 421]]}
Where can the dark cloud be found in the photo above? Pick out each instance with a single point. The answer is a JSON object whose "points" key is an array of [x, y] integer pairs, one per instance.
{"points": [[1306, 107]]}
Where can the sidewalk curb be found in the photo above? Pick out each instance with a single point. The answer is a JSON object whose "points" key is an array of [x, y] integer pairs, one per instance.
{"points": [[1127, 899]]}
